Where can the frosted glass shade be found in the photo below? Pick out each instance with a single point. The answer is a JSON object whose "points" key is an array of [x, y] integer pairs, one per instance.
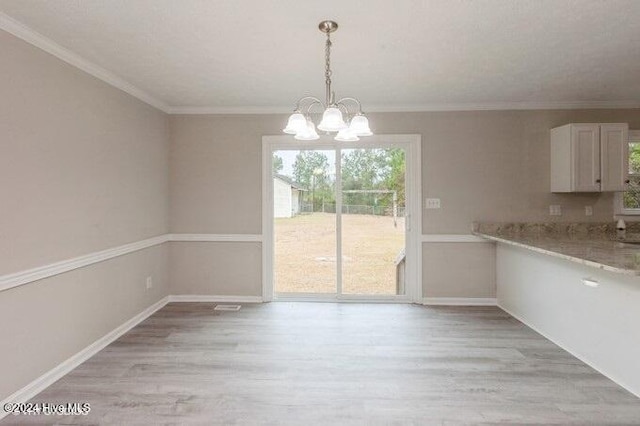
{"points": [[360, 126], [297, 122], [332, 120], [345, 135], [308, 133]]}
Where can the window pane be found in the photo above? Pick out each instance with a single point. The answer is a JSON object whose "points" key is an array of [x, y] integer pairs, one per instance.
{"points": [[304, 231], [634, 158], [373, 230], [632, 196]]}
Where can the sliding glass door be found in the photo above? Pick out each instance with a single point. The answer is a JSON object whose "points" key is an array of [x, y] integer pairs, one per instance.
{"points": [[305, 236], [338, 221], [373, 227]]}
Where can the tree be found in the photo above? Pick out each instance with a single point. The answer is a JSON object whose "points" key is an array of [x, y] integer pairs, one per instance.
{"points": [[634, 157], [306, 163], [374, 169], [632, 196], [277, 163], [361, 168], [310, 169], [394, 178]]}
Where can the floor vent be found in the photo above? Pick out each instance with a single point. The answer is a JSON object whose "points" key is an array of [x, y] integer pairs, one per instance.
{"points": [[227, 308]]}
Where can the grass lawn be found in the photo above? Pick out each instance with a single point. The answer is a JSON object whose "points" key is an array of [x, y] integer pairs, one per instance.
{"points": [[305, 253]]}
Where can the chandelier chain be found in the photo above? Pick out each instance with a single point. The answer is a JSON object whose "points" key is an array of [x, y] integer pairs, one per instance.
{"points": [[327, 69]]}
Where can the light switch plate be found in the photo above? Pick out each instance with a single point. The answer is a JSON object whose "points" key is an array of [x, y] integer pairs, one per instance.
{"points": [[432, 203], [588, 210], [555, 210]]}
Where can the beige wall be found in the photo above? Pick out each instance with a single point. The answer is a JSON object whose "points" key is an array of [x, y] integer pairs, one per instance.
{"points": [[83, 167], [216, 166], [216, 268], [494, 165], [216, 188], [48, 321], [484, 166], [464, 270]]}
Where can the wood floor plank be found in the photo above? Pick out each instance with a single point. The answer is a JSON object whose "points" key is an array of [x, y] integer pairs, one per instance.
{"points": [[336, 364]]}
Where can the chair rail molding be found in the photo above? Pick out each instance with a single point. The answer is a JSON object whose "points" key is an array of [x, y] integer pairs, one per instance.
{"points": [[24, 277], [214, 238], [41, 272]]}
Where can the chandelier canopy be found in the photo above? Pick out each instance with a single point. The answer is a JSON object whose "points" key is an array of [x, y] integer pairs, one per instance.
{"points": [[349, 127]]}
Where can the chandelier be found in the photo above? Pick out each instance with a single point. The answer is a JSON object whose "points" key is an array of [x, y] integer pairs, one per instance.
{"points": [[349, 127]]}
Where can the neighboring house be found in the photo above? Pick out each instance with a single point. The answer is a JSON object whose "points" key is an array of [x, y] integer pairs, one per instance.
{"points": [[287, 196]]}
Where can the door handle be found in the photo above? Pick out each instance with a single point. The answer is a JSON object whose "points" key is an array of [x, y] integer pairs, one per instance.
{"points": [[407, 222]]}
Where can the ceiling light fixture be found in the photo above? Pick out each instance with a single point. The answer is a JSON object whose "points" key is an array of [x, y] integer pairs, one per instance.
{"points": [[356, 123]]}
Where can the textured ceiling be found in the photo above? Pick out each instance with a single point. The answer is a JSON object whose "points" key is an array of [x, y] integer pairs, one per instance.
{"points": [[393, 55]]}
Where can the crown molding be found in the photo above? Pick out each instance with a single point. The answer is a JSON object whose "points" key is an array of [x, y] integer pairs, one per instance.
{"points": [[36, 39], [220, 110], [20, 30], [508, 106], [489, 106]]}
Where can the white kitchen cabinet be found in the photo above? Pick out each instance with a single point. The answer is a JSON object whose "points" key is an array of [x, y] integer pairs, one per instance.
{"points": [[590, 157]]}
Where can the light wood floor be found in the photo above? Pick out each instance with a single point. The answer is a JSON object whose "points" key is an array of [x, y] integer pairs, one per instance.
{"points": [[336, 364]]}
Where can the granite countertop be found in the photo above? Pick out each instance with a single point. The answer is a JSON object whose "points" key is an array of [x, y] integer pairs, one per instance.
{"points": [[591, 244]]}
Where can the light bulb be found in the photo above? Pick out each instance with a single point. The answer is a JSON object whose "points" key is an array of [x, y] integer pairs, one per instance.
{"points": [[360, 126], [332, 120], [345, 135], [308, 133], [296, 123]]}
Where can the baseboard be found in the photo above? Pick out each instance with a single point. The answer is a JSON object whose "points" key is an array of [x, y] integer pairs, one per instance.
{"points": [[460, 301], [56, 373], [51, 376], [564, 347], [453, 238], [214, 298]]}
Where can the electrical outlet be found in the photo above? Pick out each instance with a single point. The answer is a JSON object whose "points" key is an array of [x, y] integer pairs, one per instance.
{"points": [[588, 210], [149, 282], [555, 210], [432, 203]]}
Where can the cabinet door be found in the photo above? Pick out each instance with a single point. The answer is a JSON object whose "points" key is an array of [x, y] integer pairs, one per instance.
{"points": [[614, 149], [585, 152]]}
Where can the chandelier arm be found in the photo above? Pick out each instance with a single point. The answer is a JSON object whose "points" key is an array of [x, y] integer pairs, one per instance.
{"points": [[315, 102], [313, 98], [354, 100], [345, 109]]}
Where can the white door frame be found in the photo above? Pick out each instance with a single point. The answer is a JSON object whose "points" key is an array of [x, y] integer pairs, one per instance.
{"points": [[412, 145]]}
